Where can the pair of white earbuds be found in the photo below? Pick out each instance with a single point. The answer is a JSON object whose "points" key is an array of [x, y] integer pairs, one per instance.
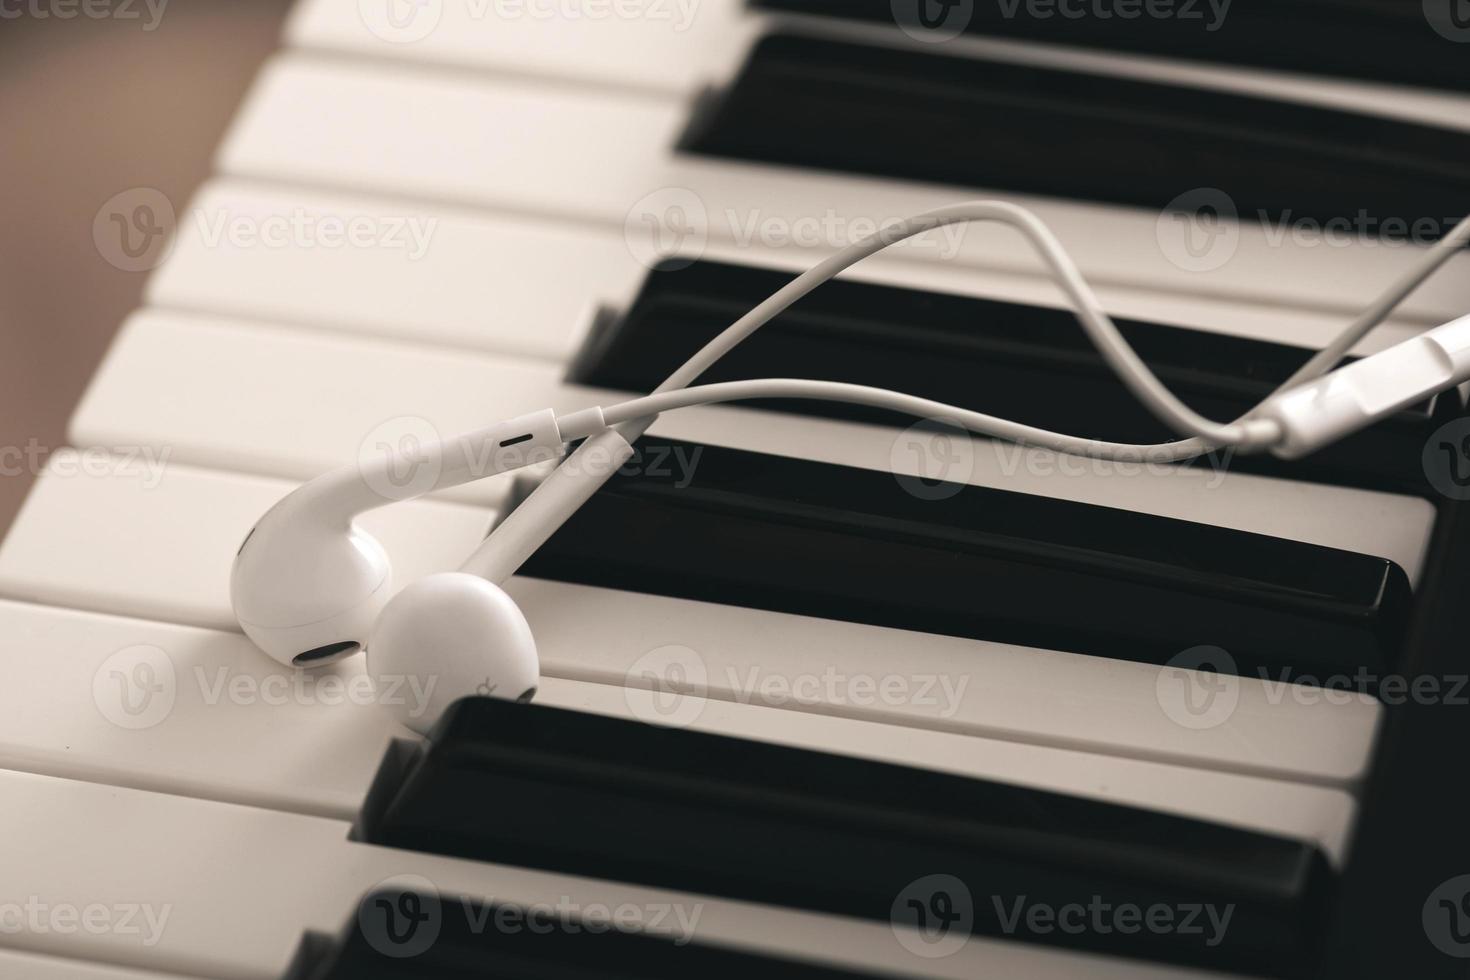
{"points": [[310, 587]]}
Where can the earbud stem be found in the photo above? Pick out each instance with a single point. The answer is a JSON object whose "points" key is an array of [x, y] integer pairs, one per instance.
{"points": [[376, 482], [549, 506]]}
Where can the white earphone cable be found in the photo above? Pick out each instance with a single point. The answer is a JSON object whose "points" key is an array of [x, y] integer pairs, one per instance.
{"points": [[1260, 432], [633, 417], [536, 518]]}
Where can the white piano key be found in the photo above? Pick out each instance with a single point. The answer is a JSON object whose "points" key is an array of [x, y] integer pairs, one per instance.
{"points": [[517, 285], [231, 890], [355, 387], [213, 718], [118, 536], [178, 382], [995, 690], [183, 710], [606, 157], [666, 45], [132, 555], [439, 276], [680, 46]]}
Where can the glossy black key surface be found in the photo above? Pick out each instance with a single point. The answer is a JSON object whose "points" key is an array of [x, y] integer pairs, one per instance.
{"points": [[401, 934], [917, 115], [1379, 40], [1029, 363], [616, 799], [771, 532]]}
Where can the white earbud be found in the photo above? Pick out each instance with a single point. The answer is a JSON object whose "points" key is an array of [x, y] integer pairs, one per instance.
{"points": [[456, 635], [308, 585]]}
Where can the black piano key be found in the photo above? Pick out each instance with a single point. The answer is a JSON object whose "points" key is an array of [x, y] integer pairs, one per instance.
{"points": [[1377, 40], [615, 799], [1029, 363], [914, 115], [772, 532], [403, 934]]}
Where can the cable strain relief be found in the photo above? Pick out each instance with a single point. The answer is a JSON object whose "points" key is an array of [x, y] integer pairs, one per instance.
{"points": [[1261, 433], [580, 425]]}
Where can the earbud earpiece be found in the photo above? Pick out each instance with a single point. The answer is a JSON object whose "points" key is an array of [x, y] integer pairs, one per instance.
{"points": [[456, 635], [307, 585]]}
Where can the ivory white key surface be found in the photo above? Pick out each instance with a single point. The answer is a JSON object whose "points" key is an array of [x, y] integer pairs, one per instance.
{"points": [[316, 401], [437, 275], [115, 536], [681, 45], [997, 690], [196, 712], [203, 714], [226, 891], [548, 148], [33, 966], [54, 556], [666, 45], [511, 284], [177, 382]]}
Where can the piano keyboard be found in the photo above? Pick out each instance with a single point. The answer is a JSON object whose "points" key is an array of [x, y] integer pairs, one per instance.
{"points": [[533, 197]]}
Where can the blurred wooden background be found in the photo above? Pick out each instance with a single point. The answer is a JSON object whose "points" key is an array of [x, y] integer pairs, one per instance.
{"points": [[89, 108]]}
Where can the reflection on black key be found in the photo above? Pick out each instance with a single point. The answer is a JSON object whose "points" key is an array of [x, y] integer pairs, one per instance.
{"points": [[1029, 363], [771, 532], [1380, 40], [915, 115], [620, 800], [405, 934]]}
